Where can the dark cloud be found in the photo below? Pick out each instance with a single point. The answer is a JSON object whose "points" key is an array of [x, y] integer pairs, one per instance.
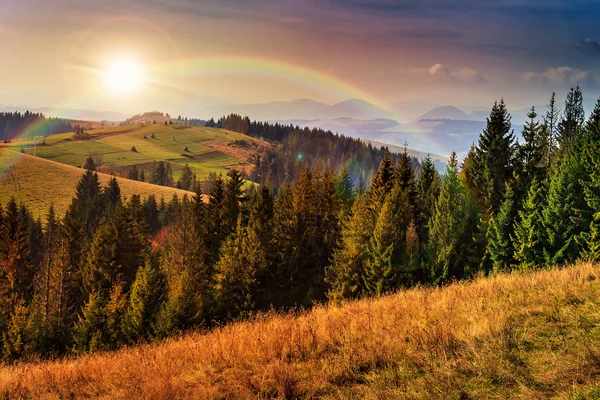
{"points": [[589, 46]]}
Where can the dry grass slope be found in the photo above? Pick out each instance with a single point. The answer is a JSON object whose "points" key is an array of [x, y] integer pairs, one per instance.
{"points": [[38, 182], [529, 336]]}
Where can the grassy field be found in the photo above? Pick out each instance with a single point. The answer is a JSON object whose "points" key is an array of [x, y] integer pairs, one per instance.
{"points": [[527, 336], [208, 149], [38, 182]]}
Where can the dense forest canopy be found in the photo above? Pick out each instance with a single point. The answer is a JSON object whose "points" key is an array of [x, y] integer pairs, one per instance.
{"points": [[29, 125], [117, 271]]}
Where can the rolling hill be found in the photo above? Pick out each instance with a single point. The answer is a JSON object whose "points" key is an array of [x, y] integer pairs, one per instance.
{"points": [[117, 149], [38, 183], [529, 336]]}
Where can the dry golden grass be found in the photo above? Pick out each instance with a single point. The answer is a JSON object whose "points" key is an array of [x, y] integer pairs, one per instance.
{"points": [[528, 336], [38, 183]]}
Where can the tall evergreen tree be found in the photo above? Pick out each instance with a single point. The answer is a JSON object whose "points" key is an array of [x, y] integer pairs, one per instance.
{"points": [[528, 239], [145, 301], [494, 157], [500, 246], [447, 227], [569, 128], [380, 272]]}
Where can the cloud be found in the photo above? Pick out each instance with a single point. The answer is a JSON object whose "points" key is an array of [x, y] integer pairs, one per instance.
{"points": [[442, 72], [561, 76], [589, 46]]}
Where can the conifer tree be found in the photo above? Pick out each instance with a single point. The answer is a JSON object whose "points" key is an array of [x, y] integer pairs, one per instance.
{"points": [[236, 271], [183, 309], [447, 227], [493, 162], [380, 273], [112, 195], [429, 188], [133, 173], [499, 244], [528, 239], [90, 332], [89, 164], [383, 181], [145, 302], [569, 128], [345, 274], [233, 200], [551, 131], [559, 226]]}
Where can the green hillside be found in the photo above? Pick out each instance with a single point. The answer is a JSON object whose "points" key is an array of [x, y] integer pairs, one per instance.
{"points": [[38, 183], [208, 149]]}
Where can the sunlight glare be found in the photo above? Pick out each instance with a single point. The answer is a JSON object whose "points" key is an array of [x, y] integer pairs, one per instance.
{"points": [[124, 76]]}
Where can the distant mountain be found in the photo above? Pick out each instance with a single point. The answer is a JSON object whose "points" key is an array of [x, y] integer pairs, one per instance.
{"points": [[445, 112], [301, 109]]}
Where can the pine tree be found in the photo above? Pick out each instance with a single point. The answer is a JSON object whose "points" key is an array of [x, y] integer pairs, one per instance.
{"points": [[133, 173], [183, 309], [186, 179], [145, 301], [89, 164], [380, 273], [569, 128], [111, 195], [16, 266], [87, 205], [237, 271], [447, 227], [383, 181], [343, 186], [500, 246], [429, 188], [528, 239], [529, 156], [90, 332], [551, 131], [345, 274], [559, 226], [493, 163], [233, 200]]}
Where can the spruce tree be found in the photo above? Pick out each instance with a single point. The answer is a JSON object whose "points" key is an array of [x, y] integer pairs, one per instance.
{"points": [[569, 128], [382, 181], [500, 246], [90, 332], [493, 163], [528, 239], [145, 301], [429, 188], [558, 214], [380, 273], [447, 228], [345, 274]]}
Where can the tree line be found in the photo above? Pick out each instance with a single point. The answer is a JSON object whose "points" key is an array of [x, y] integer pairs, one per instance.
{"points": [[296, 148], [114, 271], [16, 124]]}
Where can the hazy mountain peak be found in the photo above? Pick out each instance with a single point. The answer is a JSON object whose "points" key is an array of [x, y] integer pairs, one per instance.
{"points": [[445, 112]]}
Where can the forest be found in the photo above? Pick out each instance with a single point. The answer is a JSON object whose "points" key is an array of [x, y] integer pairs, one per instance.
{"points": [[15, 124], [117, 271]]}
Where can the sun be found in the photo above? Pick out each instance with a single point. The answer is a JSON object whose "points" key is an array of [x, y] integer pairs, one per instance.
{"points": [[123, 76]]}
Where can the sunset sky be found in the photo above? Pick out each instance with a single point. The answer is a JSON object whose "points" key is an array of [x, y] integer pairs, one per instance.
{"points": [[183, 54]]}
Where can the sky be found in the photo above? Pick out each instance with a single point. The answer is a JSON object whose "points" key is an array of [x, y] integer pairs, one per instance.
{"points": [[402, 55]]}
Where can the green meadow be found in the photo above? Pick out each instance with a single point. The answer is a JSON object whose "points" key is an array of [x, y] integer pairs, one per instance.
{"points": [[204, 149]]}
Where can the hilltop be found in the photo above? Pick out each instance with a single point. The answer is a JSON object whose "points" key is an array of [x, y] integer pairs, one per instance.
{"points": [[533, 335], [38, 183], [117, 149]]}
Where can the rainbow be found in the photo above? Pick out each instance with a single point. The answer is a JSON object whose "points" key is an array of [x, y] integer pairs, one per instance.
{"points": [[326, 84]]}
